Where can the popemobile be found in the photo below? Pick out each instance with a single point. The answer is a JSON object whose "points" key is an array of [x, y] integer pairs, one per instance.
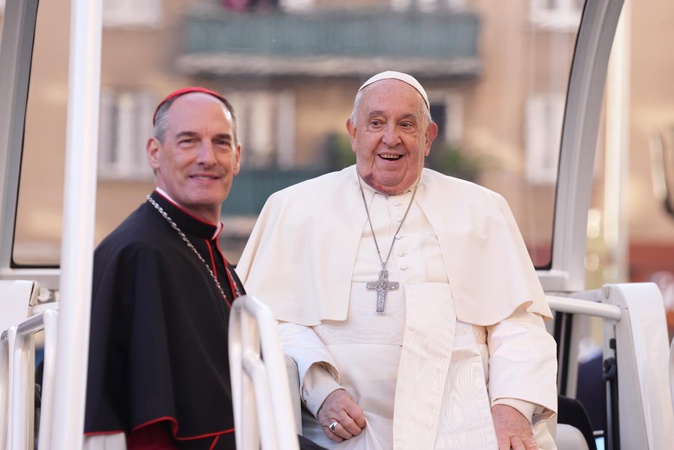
{"points": [[45, 300]]}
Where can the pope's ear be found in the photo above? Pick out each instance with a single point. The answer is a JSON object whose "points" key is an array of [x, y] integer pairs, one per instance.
{"points": [[431, 134], [152, 150], [350, 127]]}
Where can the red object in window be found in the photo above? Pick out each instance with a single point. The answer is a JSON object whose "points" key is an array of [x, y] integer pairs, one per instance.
{"points": [[235, 5]]}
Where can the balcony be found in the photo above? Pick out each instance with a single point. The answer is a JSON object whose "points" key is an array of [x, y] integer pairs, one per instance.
{"points": [[252, 187], [338, 43]]}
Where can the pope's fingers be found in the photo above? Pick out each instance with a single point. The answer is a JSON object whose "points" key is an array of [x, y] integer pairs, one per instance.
{"points": [[513, 430], [339, 405], [340, 416], [350, 426], [333, 433], [339, 430], [355, 420], [528, 443], [523, 443]]}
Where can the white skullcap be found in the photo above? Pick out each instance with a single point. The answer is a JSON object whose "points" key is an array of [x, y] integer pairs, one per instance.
{"points": [[405, 78]]}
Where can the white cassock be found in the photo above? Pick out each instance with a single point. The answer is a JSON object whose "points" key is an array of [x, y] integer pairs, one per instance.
{"points": [[425, 372]]}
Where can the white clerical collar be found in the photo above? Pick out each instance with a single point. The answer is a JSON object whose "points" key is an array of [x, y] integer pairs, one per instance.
{"points": [[218, 227], [370, 189]]}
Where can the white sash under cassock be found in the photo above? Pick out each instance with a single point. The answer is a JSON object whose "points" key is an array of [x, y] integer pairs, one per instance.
{"points": [[424, 365], [437, 401]]}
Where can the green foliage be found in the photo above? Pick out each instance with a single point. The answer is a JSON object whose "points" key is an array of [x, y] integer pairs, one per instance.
{"points": [[339, 153], [451, 160]]}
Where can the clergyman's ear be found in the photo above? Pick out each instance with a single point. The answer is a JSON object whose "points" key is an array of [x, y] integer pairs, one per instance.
{"points": [[152, 149], [237, 159]]}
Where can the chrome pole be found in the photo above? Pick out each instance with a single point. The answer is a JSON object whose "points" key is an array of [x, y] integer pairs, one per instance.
{"points": [[72, 347]]}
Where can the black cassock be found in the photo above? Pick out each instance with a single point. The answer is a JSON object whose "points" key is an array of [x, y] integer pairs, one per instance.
{"points": [[158, 346], [158, 342]]}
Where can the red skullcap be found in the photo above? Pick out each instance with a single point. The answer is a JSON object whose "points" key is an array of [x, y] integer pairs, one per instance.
{"points": [[183, 91]]}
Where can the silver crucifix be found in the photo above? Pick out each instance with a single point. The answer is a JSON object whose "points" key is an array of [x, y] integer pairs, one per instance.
{"points": [[382, 286]]}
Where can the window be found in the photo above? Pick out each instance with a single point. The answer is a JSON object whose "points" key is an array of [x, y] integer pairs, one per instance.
{"points": [[131, 13], [557, 14], [292, 99], [447, 113], [450, 153], [250, 5], [266, 123], [296, 5], [426, 5], [124, 129], [545, 113]]}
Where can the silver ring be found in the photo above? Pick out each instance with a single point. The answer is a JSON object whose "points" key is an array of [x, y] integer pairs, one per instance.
{"points": [[333, 425]]}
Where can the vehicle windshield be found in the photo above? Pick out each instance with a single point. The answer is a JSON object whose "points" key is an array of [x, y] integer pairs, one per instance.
{"points": [[496, 74]]}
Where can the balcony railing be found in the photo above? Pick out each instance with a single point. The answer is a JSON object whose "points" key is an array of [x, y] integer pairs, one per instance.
{"points": [[335, 43], [252, 187]]}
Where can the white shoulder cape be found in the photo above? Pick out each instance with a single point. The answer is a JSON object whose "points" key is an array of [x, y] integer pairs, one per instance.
{"points": [[300, 255]]}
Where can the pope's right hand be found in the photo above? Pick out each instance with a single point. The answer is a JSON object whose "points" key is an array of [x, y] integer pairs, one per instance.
{"points": [[340, 410]]}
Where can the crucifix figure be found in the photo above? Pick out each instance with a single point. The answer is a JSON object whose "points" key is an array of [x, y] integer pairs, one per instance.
{"points": [[382, 285]]}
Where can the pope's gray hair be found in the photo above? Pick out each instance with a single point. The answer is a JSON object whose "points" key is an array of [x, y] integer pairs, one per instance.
{"points": [[359, 97]]}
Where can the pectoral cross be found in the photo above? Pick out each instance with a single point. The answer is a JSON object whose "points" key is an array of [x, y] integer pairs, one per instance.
{"points": [[382, 285]]}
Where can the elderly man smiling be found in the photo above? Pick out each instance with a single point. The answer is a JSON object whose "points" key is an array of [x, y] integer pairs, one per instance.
{"points": [[407, 297]]}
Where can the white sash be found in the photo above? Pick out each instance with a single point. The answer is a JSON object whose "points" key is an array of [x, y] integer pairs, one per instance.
{"points": [[424, 364]]}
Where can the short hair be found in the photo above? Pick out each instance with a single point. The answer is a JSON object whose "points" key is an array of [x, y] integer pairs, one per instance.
{"points": [[359, 97], [160, 118]]}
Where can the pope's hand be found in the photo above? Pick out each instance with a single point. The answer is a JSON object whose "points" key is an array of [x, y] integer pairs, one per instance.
{"points": [[341, 411], [513, 430]]}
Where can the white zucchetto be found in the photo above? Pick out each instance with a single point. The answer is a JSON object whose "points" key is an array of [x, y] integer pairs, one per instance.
{"points": [[405, 78]]}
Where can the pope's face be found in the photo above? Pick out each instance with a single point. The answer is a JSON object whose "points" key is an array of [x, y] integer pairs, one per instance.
{"points": [[198, 158], [391, 135]]}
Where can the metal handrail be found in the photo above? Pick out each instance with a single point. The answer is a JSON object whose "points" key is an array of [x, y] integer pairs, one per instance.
{"points": [[18, 433], [585, 307], [253, 331]]}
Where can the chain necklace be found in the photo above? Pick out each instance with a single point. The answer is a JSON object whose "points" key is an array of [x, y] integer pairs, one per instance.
{"points": [[196, 252], [383, 285]]}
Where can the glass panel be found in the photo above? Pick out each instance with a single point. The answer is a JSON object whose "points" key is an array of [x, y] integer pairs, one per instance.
{"points": [[496, 74], [2, 14], [38, 222]]}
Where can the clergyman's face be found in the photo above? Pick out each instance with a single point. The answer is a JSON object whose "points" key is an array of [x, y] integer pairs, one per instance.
{"points": [[199, 157], [391, 135]]}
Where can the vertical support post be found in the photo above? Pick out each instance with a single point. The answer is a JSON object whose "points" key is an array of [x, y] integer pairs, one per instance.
{"points": [[70, 375]]}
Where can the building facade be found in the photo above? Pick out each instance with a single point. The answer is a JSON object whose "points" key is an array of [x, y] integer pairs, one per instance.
{"points": [[496, 74]]}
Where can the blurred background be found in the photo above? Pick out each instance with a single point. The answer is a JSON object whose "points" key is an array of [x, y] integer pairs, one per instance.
{"points": [[496, 74]]}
